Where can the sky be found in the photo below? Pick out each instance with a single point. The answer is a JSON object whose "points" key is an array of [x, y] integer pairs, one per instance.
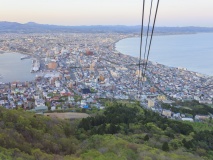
{"points": [[107, 12]]}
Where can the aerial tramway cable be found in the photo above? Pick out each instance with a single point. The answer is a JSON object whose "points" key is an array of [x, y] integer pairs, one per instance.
{"points": [[153, 27], [147, 33], [146, 55], [141, 42]]}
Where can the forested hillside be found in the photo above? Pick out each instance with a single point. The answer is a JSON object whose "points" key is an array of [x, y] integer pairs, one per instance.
{"points": [[121, 132]]}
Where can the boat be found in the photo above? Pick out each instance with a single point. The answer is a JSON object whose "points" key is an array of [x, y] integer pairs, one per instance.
{"points": [[25, 57], [35, 66]]}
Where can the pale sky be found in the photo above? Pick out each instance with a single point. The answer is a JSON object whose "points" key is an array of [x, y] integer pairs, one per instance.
{"points": [[106, 12]]}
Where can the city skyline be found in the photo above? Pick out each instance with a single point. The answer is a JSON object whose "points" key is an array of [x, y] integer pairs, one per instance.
{"points": [[106, 12]]}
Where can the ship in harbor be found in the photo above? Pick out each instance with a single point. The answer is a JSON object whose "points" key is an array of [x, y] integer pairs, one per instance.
{"points": [[35, 65]]}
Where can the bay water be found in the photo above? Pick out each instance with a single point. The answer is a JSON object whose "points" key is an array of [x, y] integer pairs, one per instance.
{"points": [[12, 68], [191, 51]]}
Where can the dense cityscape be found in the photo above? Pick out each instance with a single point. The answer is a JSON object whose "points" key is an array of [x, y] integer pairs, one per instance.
{"points": [[79, 69], [106, 80]]}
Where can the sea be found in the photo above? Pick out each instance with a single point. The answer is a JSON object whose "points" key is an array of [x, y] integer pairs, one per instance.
{"points": [[12, 68], [191, 51]]}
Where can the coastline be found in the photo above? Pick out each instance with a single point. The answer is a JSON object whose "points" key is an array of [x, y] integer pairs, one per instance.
{"points": [[156, 34], [169, 66], [115, 51], [10, 51], [134, 35]]}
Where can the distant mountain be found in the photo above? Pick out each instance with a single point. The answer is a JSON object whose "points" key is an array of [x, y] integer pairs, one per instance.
{"points": [[32, 27]]}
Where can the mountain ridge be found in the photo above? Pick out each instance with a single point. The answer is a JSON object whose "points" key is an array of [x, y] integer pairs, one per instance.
{"points": [[32, 27]]}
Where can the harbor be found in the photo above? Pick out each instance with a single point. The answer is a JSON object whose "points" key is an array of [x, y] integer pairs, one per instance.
{"points": [[12, 68]]}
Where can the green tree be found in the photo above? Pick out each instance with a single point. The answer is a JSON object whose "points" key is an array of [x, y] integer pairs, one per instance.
{"points": [[165, 147], [146, 138]]}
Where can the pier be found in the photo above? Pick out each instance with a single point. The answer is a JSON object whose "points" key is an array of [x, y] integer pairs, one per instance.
{"points": [[25, 57]]}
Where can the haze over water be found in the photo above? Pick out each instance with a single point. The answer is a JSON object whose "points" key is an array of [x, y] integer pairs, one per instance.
{"points": [[191, 51]]}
